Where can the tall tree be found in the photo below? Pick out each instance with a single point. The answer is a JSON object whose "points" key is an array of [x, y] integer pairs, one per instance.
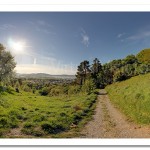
{"points": [[96, 69], [7, 64], [83, 72]]}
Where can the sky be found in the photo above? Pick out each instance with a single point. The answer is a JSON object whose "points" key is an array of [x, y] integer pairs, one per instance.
{"points": [[56, 42]]}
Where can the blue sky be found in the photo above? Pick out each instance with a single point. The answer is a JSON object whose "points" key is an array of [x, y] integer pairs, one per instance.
{"points": [[56, 42]]}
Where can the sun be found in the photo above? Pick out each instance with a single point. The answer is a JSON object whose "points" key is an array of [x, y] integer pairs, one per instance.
{"points": [[18, 46]]}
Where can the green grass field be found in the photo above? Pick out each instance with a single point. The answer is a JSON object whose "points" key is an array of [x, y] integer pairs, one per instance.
{"points": [[43, 116], [132, 97]]}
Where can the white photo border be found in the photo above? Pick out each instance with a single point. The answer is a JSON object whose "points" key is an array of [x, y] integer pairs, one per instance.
{"points": [[74, 6]]}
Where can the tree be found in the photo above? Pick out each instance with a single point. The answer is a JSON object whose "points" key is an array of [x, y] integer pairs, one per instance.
{"points": [[130, 59], [7, 64], [89, 86], [96, 67], [83, 72]]}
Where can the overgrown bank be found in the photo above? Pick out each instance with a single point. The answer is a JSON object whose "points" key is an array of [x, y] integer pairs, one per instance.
{"points": [[132, 97]]}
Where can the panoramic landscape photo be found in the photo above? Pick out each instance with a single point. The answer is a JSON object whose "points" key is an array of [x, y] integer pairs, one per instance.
{"points": [[75, 75]]}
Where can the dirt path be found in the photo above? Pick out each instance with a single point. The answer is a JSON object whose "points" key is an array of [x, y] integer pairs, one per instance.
{"points": [[109, 122]]}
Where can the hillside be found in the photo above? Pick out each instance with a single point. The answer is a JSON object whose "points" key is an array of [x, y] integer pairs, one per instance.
{"points": [[132, 97], [144, 56], [45, 76]]}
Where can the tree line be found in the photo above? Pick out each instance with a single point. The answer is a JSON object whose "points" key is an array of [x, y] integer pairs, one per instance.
{"points": [[89, 76], [114, 71]]}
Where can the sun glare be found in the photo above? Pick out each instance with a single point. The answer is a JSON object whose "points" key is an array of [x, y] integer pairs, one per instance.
{"points": [[18, 46]]}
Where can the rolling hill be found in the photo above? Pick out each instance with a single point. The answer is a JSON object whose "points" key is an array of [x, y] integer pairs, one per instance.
{"points": [[45, 76], [144, 56]]}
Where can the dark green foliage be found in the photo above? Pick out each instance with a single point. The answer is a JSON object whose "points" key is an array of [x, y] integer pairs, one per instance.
{"points": [[53, 127], [7, 64], [116, 70], [83, 72], [28, 125], [44, 91], [11, 122], [130, 59], [17, 90], [39, 118], [16, 114], [4, 122]]}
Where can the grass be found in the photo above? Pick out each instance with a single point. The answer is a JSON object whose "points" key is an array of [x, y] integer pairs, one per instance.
{"points": [[132, 97], [44, 116]]}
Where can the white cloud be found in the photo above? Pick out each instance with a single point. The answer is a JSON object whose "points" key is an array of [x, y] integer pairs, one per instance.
{"points": [[41, 26], [41, 22], [139, 35], [7, 26], [44, 30], [120, 35], [85, 38]]}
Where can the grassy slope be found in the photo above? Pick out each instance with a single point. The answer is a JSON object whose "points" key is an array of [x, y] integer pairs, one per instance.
{"points": [[144, 56], [42, 115], [133, 97]]}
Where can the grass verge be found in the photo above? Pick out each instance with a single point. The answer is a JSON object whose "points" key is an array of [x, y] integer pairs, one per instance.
{"points": [[132, 97]]}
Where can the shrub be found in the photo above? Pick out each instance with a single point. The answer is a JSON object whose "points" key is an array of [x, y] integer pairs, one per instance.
{"points": [[77, 116], [56, 91], [17, 114], [4, 122], [53, 127], [74, 89], [14, 122], [44, 91], [28, 125], [89, 86], [10, 90], [39, 118], [26, 88]]}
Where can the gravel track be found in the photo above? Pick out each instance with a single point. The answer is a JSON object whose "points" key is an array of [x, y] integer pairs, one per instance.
{"points": [[109, 122]]}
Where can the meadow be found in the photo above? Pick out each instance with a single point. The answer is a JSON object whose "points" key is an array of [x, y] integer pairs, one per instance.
{"points": [[44, 116], [132, 97]]}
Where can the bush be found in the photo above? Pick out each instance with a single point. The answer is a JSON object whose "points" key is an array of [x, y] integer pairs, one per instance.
{"points": [[26, 88], [10, 90], [119, 76], [89, 86], [39, 118], [4, 122], [44, 91], [13, 122], [53, 127], [2, 89], [77, 116], [17, 114], [28, 125], [56, 91], [73, 89]]}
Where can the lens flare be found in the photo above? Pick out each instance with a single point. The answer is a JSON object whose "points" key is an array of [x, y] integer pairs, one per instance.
{"points": [[16, 46]]}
